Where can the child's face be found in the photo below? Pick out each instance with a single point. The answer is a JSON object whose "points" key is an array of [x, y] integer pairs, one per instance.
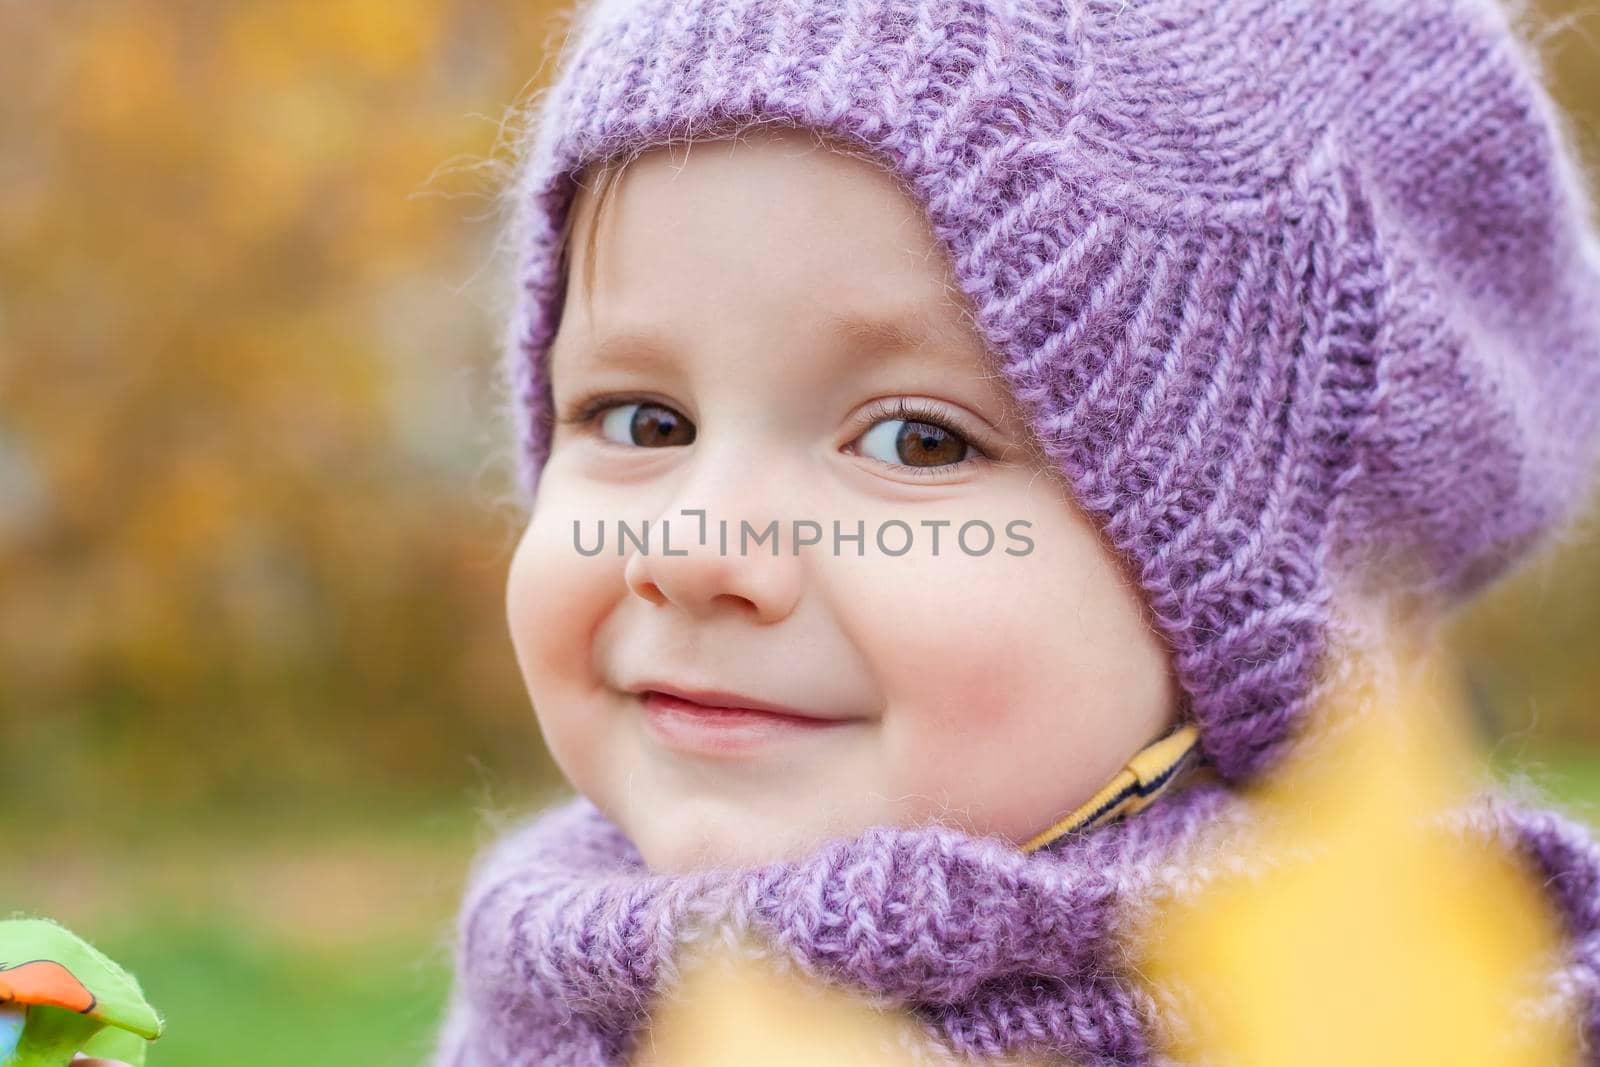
{"points": [[983, 688]]}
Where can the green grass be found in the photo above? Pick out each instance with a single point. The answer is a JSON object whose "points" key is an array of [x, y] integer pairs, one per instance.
{"points": [[233, 997], [315, 935], [1571, 778]]}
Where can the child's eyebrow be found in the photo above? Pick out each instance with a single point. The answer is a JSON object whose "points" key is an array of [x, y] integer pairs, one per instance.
{"points": [[890, 334], [638, 349], [910, 333], [899, 334], [626, 349]]}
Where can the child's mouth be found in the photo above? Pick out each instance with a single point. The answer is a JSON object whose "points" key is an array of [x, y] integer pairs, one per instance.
{"points": [[706, 729]]}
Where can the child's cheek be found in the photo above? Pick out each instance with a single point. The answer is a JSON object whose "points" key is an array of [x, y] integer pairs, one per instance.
{"points": [[556, 599], [960, 719], [1002, 672], [942, 637]]}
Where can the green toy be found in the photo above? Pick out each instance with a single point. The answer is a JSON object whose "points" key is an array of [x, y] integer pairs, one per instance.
{"points": [[59, 996]]}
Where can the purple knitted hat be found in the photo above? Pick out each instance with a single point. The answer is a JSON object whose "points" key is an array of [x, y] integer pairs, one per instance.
{"points": [[1293, 292]]}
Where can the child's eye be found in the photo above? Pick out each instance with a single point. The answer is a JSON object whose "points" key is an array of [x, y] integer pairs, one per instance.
{"points": [[913, 438], [646, 424], [640, 423]]}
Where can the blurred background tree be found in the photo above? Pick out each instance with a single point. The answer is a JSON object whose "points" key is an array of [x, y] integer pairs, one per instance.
{"points": [[253, 536], [256, 508]]}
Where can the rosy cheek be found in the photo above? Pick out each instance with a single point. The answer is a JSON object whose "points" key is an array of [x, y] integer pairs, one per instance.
{"points": [[554, 609], [555, 599], [954, 695], [972, 701]]}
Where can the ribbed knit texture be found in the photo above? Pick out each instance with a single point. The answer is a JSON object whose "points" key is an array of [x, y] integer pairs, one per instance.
{"points": [[1289, 290], [565, 940]]}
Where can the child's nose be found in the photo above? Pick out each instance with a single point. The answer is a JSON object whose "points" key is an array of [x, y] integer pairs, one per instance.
{"points": [[724, 542], [706, 579]]}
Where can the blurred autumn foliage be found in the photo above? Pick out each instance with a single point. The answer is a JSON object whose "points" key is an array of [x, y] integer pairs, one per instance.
{"points": [[255, 505], [252, 534]]}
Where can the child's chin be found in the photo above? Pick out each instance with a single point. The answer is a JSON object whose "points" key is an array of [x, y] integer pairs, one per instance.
{"points": [[670, 847]]}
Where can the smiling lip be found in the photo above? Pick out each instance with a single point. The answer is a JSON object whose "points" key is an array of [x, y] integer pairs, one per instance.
{"points": [[717, 698], [716, 723]]}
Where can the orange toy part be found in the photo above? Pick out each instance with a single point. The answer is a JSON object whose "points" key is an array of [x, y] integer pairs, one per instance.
{"points": [[44, 982]]}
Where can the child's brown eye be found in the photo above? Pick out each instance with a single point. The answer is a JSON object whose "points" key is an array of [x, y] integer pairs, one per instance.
{"points": [[647, 425], [909, 443]]}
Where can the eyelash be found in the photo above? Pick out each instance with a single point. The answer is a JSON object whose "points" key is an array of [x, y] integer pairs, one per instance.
{"points": [[912, 411], [583, 412]]}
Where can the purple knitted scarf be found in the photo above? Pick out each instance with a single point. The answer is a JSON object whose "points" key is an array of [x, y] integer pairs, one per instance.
{"points": [[565, 938]]}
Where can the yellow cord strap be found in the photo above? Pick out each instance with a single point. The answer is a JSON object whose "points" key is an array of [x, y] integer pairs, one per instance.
{"points": [[1147, 774]]}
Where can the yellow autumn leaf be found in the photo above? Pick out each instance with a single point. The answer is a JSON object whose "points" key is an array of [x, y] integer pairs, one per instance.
{"points": [[1375, 935], [735, 1006]]}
